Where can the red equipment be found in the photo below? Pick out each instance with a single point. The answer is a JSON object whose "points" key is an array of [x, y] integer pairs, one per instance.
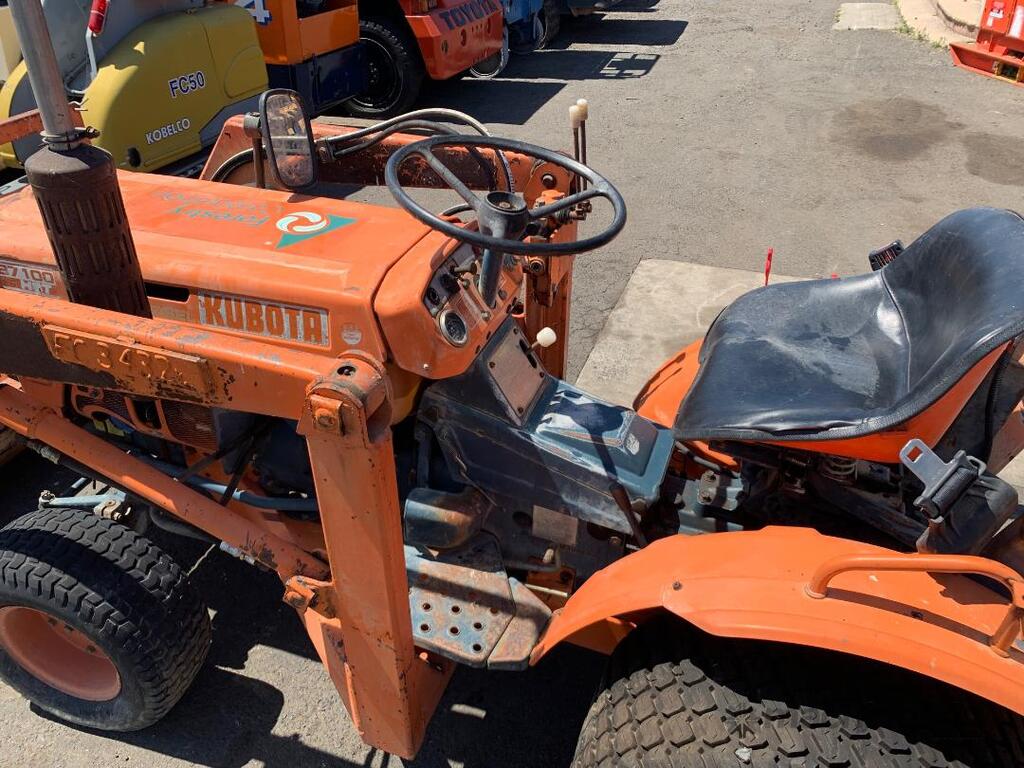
{"points": [[97, 17], [999, 49]]}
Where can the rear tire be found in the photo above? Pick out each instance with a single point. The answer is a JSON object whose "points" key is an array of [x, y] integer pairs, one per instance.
{"points": [[97, 625], [674, 697], [396, 70]]}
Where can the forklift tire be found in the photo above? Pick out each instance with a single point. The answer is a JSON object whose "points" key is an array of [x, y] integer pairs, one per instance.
{"points": [[98, 626], [674, 697], [396, 70], [551, 21]]}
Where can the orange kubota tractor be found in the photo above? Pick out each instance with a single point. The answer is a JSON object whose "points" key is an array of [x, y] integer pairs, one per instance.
{"points": [[795, 552]]}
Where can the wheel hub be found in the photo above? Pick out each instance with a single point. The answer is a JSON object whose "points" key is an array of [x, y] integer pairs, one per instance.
{"points": [[57, 654]]}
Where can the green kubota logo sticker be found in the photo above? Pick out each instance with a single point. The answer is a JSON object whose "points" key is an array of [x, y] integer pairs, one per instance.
{"points": [[302, 225]]}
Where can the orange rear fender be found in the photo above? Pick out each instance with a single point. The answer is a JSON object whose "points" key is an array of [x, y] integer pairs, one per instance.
{"points": [[756, 585]]}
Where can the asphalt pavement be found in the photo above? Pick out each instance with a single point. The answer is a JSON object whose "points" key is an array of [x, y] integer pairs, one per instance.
{"points": [[729, 128]]}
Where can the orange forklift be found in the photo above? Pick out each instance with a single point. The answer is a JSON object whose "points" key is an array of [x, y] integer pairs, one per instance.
{"points": [[408, 41], [795, 550], [310, 47]]}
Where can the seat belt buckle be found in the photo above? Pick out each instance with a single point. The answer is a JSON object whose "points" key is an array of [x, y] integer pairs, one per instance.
{"points": [[944, 481], [886, 255], [965, 504]]}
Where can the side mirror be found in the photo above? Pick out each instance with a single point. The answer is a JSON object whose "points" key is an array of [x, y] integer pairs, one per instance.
{"points": [[288, 139]]}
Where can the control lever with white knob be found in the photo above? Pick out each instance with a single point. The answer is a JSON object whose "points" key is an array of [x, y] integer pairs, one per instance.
{"points": [[546, 336], [578, 114]]}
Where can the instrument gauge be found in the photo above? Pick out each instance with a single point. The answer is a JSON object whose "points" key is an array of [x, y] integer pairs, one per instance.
{"points": [[453, 328]]}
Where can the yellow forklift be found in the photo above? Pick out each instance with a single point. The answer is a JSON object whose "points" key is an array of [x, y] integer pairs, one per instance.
{"points": [[158, 78]]}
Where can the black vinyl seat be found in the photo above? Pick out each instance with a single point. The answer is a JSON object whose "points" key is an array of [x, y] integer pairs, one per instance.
{"points": [[837, 359]]}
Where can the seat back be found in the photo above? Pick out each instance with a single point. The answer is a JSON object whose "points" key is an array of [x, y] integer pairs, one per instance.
{"points": [[960, 291]]}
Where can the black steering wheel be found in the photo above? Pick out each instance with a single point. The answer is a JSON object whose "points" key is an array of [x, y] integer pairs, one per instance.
{"points": [[503, 217]]}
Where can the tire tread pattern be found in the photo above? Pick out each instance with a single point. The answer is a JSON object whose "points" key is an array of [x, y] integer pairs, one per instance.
{"points": [[674, 697], [393, 34], [123, 590]]}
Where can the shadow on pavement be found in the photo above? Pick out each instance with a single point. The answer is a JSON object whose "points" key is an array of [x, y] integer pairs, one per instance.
{"points": [[580, 65], [491, 101], [24, 478], [636, 6], [531, 81], [602, 29], [224, 720]]}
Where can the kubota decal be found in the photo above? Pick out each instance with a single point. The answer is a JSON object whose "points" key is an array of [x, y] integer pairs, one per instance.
{"points": [[474, 10], [302, 225], [265, 318]]}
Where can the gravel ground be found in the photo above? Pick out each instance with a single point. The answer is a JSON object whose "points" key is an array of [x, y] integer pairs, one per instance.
{"points": [[729, 128]]}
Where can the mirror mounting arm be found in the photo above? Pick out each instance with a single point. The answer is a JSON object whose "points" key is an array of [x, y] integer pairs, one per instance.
{"points": [[251, 127]]}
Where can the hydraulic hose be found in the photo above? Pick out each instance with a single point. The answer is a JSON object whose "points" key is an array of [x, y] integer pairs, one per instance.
{"points": [[245, 497]]}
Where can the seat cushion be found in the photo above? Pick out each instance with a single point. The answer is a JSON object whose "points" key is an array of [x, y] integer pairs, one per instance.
{"points": [[836, 359]]}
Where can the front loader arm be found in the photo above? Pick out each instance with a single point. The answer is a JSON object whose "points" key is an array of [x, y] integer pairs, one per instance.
{"points": [[351, 595], [762, 585]]}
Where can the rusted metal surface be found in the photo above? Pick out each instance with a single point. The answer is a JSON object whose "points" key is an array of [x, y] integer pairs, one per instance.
{"points": [[367, 167], [345, 574], [443, 520], [24, 124], [43, 338], [21, 414], [83, 213], [389, 688], [188, 376], [548, 295], [466, 608], [20, 126], [461, 601], [523, 633]]}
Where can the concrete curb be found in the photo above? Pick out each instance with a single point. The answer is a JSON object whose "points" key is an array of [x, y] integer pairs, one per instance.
{"points": [[923, 17], [961, 16]]}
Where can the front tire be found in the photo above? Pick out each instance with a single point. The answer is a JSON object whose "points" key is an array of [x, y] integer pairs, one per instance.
{"points": [[674, 697], [396, 71], [98, 626]]}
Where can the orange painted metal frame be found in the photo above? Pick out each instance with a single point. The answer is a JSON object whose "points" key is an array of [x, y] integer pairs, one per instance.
{"points": [[289, 40], [995, 53], [760, 585], [355, 605], [368, 167]]}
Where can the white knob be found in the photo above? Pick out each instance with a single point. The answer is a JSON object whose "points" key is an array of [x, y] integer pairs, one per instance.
{"points": [[545, 337], [575, 116], [584, 108]]}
